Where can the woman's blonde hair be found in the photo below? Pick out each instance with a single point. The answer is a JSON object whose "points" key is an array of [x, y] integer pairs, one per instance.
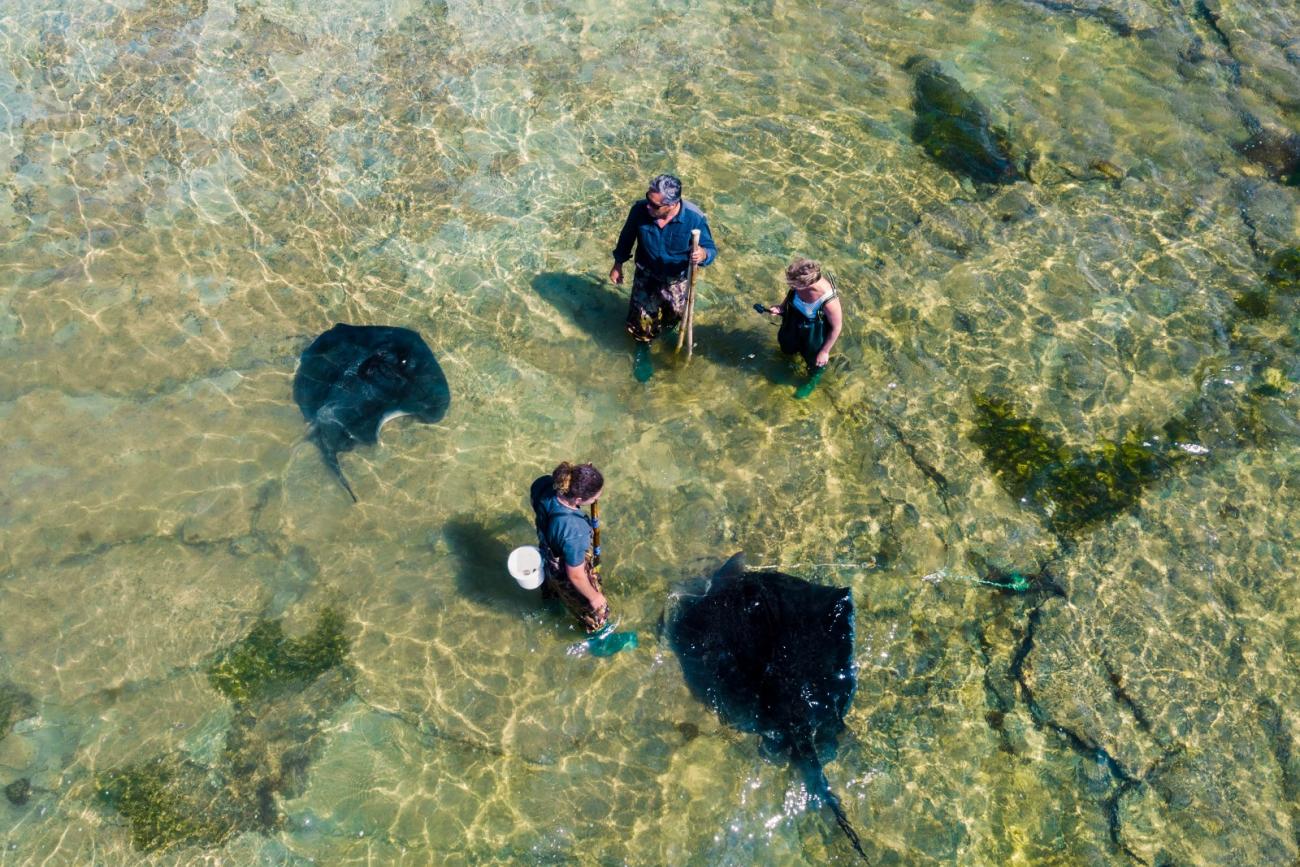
{"points": [[803, 273], [578, 481]]}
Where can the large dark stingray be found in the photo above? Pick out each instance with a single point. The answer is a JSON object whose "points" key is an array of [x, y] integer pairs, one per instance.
{"points": [[954, 129], [353, 378], [772, 654]]}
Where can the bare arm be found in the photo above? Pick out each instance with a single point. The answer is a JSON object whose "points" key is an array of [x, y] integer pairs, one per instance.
{"points": [[779, 309], [835, 316], [577, 576]]}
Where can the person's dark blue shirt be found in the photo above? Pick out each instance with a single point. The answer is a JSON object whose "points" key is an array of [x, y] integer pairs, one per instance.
{"points": [[565, 531], [664, 252]]}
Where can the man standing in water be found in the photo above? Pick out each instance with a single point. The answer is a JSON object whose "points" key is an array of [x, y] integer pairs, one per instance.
{"points": [[660, 225]]}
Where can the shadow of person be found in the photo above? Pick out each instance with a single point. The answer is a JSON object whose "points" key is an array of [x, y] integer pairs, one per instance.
{"points": [[597, 307], [748, 350], [481, 575]]}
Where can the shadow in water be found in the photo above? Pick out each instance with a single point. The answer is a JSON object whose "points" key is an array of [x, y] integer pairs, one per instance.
{"points": [[600, 309], [748, 350], [596, 306], [482, 550]]}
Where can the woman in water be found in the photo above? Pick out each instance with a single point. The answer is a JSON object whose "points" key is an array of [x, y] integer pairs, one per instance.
{"points": [[564, 535], [811, 319]]}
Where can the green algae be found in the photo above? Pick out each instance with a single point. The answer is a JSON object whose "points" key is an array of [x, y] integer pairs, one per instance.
{"points": [[266, 662], [168, 801], [285, 690], [1072, 487], [1284, 270], [15, 705], [1253, 303]]}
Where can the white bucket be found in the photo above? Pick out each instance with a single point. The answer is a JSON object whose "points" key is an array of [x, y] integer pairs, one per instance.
{"points": [[525, 565]]}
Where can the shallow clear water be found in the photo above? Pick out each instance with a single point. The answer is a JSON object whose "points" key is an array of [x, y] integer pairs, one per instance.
{"points": [[195, 190]]}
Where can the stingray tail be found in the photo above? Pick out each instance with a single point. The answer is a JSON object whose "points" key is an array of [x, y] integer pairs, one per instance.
{"points": [[331, 458], [819, 786]]}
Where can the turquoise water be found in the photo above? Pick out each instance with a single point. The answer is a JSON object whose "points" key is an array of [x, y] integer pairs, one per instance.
{"points": [[194, 190]]}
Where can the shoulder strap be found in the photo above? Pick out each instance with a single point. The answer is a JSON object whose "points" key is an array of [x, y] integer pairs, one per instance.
{"points": [[835, 287]]}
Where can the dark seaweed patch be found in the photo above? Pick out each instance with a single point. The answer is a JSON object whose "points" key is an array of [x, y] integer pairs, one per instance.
{"points": [[19, 791], [169, 802], [284, 690], [1253, 303], [1277, 153], [1284, 270], [953, 128], [1073, 488], [265, 662]]}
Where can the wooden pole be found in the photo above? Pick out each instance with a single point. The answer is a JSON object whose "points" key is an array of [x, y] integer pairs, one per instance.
{"points": [[595, 536], [687, 334]]}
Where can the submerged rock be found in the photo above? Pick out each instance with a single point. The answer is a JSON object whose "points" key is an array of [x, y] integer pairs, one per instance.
{"points": [[953, 127], [1107, 169], [1211, 805], [1125, 17], [19, 791], [1278, 154], [1069, 677], [15, 705]]}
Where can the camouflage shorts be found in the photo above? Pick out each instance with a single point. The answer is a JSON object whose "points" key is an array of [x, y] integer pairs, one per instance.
{"points": [[656, 305], [559, 585]]}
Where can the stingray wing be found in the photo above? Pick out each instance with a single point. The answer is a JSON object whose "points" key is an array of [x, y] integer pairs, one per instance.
{"points": [[769, 652], [722, 669], [342, 369], [323, 364], [426, 394], [812, 676]]}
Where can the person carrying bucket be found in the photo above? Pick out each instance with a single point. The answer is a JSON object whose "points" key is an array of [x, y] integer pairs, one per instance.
{"points": [[565, 538]]}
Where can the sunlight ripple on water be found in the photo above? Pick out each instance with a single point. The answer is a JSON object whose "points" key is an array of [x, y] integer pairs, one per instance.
{"points": [[1066, 401]]}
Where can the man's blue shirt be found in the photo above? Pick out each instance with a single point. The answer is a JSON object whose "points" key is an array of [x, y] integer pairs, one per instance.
{"points": [[664, 252]]}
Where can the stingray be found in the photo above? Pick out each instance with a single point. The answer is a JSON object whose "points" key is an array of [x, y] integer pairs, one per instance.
{"points": [[353, 378], [772, 654], [954, 129]]}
